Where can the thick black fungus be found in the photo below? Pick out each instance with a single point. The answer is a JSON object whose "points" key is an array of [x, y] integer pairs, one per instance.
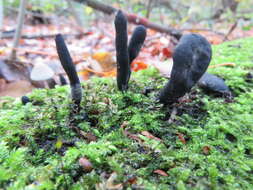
{"points": [[25, 100], [123, 66], [68, 66], [212, 83], [136, 42], [62, 80], [191, 58]]}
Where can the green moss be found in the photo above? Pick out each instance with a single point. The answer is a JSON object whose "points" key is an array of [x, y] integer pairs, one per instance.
{"points": [[40, 150]]}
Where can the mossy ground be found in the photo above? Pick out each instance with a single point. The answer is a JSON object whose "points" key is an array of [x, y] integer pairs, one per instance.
{"points": [[209, 146]]}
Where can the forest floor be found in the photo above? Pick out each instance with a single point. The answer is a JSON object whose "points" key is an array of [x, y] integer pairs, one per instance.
{"points": [[92, 48], [121, 141]]}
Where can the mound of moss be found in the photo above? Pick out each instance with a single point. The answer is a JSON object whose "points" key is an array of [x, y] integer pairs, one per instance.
{"points": [[127, 137]]}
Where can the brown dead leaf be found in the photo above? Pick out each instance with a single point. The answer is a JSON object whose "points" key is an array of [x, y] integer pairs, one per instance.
{"points": [[206, 150], [131, 180], [150, 136], [181, 138], [86, 164], [132, 136], [161, 172], [88, 136]]}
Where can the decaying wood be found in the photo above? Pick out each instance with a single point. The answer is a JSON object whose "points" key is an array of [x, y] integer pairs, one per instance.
{"points": [[132, 18]]}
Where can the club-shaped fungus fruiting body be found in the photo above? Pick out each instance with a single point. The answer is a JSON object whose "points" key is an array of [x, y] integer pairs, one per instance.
{"points": [[136, 42], [191, 58], [126, 53], [123, 67], [69, 67]]}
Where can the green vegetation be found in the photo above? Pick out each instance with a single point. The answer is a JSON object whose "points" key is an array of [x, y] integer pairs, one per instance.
{"points": [[40, 151]]}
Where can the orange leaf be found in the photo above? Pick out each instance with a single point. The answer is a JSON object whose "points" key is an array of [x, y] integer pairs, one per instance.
{"points": [[138, 65], [105, 59]]}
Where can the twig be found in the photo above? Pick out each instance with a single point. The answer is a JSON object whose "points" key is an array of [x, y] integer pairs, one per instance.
{"points": [[233, 27], [17, 36], [222, 64], [10, 35], [36, 52], [203, 29], [132, 18]]}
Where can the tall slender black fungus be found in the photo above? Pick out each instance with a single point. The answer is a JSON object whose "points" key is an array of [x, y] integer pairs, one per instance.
{"points": [[123, 66], [68, 66], [191, 58], [136, 42]]}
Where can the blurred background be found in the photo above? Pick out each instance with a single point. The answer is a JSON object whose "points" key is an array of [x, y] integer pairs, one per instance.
{"points": [[28, 28]]}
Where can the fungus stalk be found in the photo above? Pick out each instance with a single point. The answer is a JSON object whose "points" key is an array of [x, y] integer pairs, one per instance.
{"points": [[126, 53], [123, 67], [68, 66]]}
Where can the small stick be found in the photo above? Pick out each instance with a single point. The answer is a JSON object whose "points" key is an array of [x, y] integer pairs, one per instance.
{"points": [[222, 64], [233, 27], [172, 115]]}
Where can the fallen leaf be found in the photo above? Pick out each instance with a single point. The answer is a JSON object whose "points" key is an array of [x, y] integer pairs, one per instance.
{"points": [[206, 150], [161, 172], [150, 136], [88, 136], [164, 67], [131, 180], [58, 144], [181, 138], [138, 65], [86, 164], [167, 52], [105, 59]]}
